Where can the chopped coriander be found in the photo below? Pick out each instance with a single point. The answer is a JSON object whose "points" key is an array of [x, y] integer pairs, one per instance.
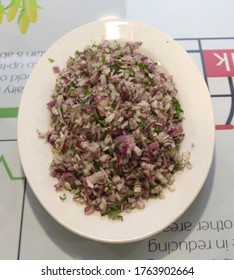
{"points": [[63, 197], [129, 193], [115, 67], [86, 91], [102, 123], [178, 166], [113, 211], [83, 110], [103, 59], [95, 114], [83, 102], [142, 124], [142, 67], [77, 54], [133, 73], [176, 106], [51, 60], [157, 129]]}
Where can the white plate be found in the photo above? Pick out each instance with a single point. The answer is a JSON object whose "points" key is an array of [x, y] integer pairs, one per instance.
{"points": [[36, 156]]}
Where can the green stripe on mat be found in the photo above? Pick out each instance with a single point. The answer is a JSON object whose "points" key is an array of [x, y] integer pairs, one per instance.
{"points": [[7, 168], [8, 113]]}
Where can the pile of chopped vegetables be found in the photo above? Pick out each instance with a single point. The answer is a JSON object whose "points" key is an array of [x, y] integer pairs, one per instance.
{"points": [[116, 128]]}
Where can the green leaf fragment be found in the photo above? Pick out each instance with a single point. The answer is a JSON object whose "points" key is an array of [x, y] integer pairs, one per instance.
{"points": [[178, 166], [176, 106], [113, 211], [63, 197], [77, 53], [103, 59], [95, 114]]}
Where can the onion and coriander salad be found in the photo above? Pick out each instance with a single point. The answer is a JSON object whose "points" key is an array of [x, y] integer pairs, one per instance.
{"points": [[116, 129]]}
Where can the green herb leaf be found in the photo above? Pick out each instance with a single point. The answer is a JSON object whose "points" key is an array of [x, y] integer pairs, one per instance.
{"points": [[142, 124], [113, 211], [133, 73], [63, 197], [129, 193], [86, 91], [102, 123], [95, 114], [157, 129], [77, 53], [115, 67], [178, 166], [142, 67], [103, 59], [176, 106]]}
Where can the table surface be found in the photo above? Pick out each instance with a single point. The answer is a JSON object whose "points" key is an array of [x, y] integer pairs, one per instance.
{"points": [[205, 231]]}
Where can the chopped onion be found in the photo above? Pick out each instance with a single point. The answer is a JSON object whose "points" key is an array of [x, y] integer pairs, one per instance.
{"points": [[116, 128]]}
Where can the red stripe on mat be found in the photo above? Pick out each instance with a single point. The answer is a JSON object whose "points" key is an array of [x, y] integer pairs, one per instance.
{"points": [[224, 126]]}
